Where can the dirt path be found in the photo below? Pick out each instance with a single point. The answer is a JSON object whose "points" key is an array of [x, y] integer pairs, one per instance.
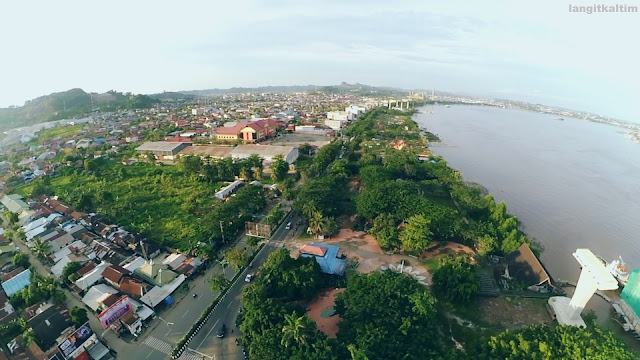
{"points": [[321, 312]]}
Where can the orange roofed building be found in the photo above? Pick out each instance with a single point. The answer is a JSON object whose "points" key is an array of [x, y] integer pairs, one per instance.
{"points": [[248, 131]]}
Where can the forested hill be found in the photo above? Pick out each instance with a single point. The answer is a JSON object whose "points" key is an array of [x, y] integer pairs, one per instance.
{"points": [[69, 104]]}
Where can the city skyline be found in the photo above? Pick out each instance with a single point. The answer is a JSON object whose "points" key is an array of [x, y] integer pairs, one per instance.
{"points": [[540, 54]]}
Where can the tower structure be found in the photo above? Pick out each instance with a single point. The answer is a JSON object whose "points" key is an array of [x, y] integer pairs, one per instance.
{"points": [[594, 276]]}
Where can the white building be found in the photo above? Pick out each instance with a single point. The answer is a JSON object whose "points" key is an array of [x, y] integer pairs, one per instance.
{"points": [[335, 124], [227, 190], [197, 112], [339, 115]]}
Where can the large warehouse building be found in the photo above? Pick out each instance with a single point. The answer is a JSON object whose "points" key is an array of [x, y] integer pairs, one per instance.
{"points": [[164, 149], [267, 152]]}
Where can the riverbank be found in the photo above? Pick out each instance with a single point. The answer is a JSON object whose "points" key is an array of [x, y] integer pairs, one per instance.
{"points": [[571, 183], [543, 168]]}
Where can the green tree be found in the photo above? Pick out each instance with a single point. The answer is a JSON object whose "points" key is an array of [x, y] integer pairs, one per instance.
{"points": [[21, 235], [237, 258], [279, 168], [9, 234], [151, 157], [190, 164], [385, 231], [219, 283], [21, 260], [69, 270], [486, 245], [28, 336], [512, 242], [41, 248], [290, 278], [387, 315], [11, 217], [253, 241], [318, 223], [456, 279], [559, 342], [79, 316], [356, 354], [416, 235], [297, 329]]}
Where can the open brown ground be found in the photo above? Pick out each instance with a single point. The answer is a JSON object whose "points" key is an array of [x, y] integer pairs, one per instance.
{"points": [[363, 248], [457, 248], [513, 312], [325, 299]]}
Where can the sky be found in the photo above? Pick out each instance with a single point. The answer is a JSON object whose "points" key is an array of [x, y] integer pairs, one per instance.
{"points": [[531, 51]]}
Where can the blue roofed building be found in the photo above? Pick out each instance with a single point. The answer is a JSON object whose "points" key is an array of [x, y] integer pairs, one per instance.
{"points": [[17, 283], [326, 256]]}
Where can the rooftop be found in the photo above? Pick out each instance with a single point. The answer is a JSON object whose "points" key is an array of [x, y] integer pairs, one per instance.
{"points": [[206, 150], [524, 265], [262, 150], [328, 261], [159, 146], [17, 283]]}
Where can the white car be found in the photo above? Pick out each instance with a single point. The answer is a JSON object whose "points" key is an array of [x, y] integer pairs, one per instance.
{"points": [[288, 227], [249, 277]]}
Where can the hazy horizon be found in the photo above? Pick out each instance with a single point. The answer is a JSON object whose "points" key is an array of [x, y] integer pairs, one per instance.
{"points": [[538, 52]]}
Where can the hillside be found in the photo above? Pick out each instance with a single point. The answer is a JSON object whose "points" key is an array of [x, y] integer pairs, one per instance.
{"points": [[69, 104]]}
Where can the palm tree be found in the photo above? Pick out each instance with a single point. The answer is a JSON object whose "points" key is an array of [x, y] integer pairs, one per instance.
{"points": [[21, 235], [356, 354], [317, 223], [309, 209], [296, 329], [41, 248], [9, 234]]}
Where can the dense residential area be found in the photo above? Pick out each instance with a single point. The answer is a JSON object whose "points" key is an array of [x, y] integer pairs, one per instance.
{"points": [[306, 225]]}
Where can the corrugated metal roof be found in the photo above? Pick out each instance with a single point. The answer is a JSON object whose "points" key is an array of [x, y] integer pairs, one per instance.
{"points": [[158, 146], [17, 283]]}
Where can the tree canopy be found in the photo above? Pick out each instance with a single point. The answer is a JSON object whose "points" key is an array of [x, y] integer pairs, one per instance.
{"points": [[456, 279], [387, 315], [559, 342], [416, 235]]}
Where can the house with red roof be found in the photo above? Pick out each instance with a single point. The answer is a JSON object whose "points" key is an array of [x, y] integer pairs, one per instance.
{"points": [[249, 131]]}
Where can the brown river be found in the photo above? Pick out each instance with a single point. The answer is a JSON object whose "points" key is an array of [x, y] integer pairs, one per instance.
{"points": [[572, 183]]}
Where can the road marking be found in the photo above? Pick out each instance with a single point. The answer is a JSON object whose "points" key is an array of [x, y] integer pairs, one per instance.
{"points": [[158, 344], [206, 336], [201, 354], [188, 355], [230, 303], [185, 314], [168, 332]]}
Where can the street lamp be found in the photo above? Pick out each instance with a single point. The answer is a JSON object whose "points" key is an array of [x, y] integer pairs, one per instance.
{"points": [[224, 264], [163, 320]]}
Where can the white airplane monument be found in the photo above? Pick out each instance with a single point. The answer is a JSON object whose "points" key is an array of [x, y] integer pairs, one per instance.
{"points": [[594, 276]]}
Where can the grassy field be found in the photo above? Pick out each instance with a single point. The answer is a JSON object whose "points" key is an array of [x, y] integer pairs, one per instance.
{"points": [[160, 201], [62, 131]]}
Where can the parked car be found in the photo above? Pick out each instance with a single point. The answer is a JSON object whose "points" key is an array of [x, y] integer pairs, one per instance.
{"points": [[249, 277], [222, 331]]}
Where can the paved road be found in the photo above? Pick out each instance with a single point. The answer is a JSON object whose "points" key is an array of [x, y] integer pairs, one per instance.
{"points": [[206, 342], [172, 323]]}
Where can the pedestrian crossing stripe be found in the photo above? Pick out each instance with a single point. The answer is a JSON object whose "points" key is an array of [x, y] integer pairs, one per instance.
{"points": [[158, 344], [187, 355]]}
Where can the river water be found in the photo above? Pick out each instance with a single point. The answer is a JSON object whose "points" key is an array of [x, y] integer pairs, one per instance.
{"points": [[572, 183]]}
